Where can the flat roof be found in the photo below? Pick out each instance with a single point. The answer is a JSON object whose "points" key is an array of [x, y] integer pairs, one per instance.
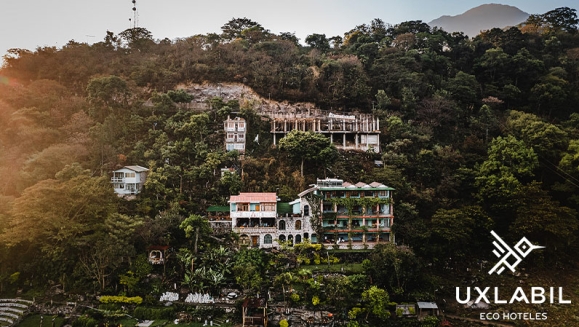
{"points": [[219, 209]]}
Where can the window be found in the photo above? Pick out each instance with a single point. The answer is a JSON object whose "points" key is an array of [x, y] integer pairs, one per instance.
{"points": [[281, 225], [244, 207], [130, 175], [368, 194], [306, 210], [268, 206], [267, 239], [230, 136], [298, 224], [282, 238], [290, 239], [306, 236], [385, 209], [383, 193], [298, 239], [354, 194], [231, 125], [241, 124]]}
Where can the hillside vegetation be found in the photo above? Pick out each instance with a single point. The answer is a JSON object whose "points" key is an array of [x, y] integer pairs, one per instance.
{"points": [[477, 135]]}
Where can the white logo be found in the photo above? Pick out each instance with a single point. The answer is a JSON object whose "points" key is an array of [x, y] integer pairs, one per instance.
{"points": [[523, 248]]}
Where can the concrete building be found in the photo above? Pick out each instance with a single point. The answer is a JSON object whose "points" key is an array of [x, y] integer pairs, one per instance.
{"points": [[355, 216], [353, 131], [235, 131], [349, 216]]}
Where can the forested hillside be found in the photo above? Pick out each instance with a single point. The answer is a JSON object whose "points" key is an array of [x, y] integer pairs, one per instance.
{"points": [[477, 134]]}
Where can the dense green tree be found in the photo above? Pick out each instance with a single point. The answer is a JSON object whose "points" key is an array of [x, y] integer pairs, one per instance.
{"points": [[318, 41], [392, 267], [308, 147], [235, 27]]}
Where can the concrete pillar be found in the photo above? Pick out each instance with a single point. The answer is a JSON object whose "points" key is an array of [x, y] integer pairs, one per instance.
{"points": [[344, 140], [274, 143], [331, 137], [356, 137]]}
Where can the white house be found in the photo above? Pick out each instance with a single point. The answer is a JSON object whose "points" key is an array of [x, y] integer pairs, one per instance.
{"points": [[129, 179], [235, 131]]}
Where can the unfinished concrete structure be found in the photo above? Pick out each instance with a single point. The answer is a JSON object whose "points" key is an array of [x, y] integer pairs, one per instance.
{"points": [[352, 131]]}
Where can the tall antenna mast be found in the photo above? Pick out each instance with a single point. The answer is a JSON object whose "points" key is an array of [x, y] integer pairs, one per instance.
{"points": [[135, 15]]}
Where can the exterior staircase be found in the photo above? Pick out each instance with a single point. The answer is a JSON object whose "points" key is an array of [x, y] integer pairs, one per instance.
{"points": [[12, 311]]}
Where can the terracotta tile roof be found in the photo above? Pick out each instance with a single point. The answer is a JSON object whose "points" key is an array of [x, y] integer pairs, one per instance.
{"points": [[253, 197]]}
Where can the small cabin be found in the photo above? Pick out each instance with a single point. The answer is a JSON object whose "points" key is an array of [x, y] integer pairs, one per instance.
{"points": [[427, 309]]}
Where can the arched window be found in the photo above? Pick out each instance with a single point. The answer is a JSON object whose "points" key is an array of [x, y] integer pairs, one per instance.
{"points": [[306, 235], [306, 210], [298, 224], [282, 238], [281, 225], [244, 240], [290, 238], [298, 239], [267, 239]]}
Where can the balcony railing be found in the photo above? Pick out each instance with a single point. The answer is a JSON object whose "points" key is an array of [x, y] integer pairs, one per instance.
{"points": [[253, 214], [244, 230]]}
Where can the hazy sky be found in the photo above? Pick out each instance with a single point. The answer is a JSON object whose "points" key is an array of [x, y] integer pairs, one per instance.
{"points": [[32, 23]]}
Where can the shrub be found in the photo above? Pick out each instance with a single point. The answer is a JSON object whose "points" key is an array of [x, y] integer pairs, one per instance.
{"points": [[121, 299], [85, 322], [144, 313], [283, 323]]}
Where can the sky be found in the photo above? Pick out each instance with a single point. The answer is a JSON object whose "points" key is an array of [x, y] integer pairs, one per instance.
{"points": [[30, 24]]}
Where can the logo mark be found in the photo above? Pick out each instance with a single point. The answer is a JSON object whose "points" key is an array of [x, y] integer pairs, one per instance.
{"points": [[505, 252]]}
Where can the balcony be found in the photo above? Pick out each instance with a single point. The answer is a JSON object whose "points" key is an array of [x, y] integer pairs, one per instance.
{"points": [[254, 230], [253, 214]]}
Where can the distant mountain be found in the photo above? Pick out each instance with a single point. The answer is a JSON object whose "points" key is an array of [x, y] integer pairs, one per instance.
{"points": [[483, 17]]}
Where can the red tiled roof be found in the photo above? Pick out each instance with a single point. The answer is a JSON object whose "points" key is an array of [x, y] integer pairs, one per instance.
{"points": [[254, 197]]}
